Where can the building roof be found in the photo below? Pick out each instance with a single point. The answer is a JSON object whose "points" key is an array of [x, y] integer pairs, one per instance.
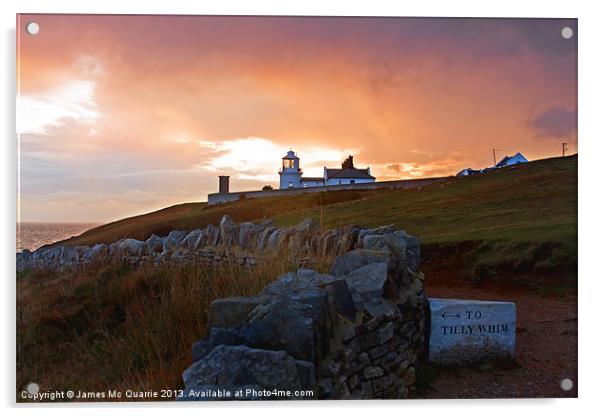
{"points": [[308, 179], [348, 174], [290, 155], [518, 157]]}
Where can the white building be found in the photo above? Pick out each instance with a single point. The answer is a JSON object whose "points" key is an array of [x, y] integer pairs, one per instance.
{"points": [[291, 175], [511, 160]]}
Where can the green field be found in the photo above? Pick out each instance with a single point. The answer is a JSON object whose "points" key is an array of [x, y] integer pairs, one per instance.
{"points": [[515, 218]]}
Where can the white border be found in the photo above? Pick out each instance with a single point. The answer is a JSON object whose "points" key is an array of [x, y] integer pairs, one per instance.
{"points": [[590, 209]]}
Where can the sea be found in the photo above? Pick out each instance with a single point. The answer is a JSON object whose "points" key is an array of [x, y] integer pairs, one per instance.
{"points": [[33, 235]]}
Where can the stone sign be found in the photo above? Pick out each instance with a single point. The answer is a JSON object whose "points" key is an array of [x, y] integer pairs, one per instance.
{"points": [[465, 331]]}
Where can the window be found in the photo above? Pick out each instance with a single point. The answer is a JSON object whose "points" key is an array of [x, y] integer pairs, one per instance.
{"points": [[288, 163], [290, 184], [352, 181]]}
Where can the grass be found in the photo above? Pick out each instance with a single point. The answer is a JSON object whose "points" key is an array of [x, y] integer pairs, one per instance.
{"points": [[531, 202], [113, 327], [518, 219]]}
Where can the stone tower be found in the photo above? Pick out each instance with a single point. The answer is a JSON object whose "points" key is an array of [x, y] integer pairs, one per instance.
{"points": [[290, 173]]}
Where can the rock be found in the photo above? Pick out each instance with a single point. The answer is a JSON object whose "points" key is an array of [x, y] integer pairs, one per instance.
{"points": [[329, 241], [233, 366], [380, 307], [154, 245], [279, 238], [355, 259], [308, 226], [278, 324], [70, 256], [233, 311], [284, 324], [247, 235], [212, 233], [97, 252], [375, 242], [396, 242], [171, 243], [385, 229], [176, 236], [191, 241], [263, 238], [228, 231], [372, 372], [311, 287], [340, 293], [348, 238], [132, 247], [368, 282]]}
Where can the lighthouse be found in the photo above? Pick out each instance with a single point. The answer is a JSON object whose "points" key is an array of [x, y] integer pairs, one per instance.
{"points": [[290, 173]]}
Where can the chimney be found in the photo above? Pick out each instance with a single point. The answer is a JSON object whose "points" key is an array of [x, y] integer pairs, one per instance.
{"points": [[224, 184]]}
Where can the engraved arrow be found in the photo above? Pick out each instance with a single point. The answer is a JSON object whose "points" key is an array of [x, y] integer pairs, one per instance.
{"points": [[446, 315]]}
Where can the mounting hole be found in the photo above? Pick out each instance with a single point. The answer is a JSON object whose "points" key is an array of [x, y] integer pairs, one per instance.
{"points": [[566, 384], [32, 28], [32, 388], [566, 32]]}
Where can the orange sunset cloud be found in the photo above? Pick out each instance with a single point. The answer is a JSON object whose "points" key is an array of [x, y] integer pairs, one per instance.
{"points": [[119, 115]]}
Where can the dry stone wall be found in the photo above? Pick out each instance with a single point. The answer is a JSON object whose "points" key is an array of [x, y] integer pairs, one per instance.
{"points": [[229, 242], [355, 333]]}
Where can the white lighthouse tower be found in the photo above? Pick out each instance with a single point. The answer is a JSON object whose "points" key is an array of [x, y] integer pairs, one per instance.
{"points": [[290, 174]]}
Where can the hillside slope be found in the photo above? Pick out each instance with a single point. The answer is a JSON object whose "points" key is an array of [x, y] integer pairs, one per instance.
{"points": [[512, 221], [532, 202]]}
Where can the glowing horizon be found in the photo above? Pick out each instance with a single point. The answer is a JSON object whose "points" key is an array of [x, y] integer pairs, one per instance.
{"points": [[121, 115]]}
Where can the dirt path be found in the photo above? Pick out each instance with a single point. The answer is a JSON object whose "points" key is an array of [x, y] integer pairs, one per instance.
{"points": [[546, 347]]}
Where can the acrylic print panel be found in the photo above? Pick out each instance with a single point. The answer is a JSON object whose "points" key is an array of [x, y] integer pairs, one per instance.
{"points": [[298, 208]]}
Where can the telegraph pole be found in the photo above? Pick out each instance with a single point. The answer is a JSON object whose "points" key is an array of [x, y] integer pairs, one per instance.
{"points": [[494, 158], [564, 148]]}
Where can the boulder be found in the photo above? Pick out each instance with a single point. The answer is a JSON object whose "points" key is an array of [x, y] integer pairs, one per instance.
{"points": [[228, 231], [154, 245], [212, 233], [279, 238], [233, 311], [176, 235], [385, 229], [230, 367], [96, 252], [279, 324], [368, 282], [171, 243], [247, 235], [131, 247], [355, 259], [191, 241], [264, 236]]}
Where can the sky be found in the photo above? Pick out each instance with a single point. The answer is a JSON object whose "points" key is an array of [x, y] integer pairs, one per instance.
{"points": [[122, 115]]}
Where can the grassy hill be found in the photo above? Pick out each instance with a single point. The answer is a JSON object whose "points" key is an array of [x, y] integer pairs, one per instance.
{"points": [[514, 218], [134, 326]]}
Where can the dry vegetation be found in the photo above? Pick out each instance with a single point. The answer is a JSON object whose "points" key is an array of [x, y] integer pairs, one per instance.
{"points": [[114, 327]]}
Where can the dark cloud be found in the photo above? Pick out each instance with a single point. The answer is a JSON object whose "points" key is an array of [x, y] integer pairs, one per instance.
{"points": [[554, 122]]}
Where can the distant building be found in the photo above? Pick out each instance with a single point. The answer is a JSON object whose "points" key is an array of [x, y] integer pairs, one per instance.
{"points": [[506, 161], [467, 172], [511, 160], [291, 175]]}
